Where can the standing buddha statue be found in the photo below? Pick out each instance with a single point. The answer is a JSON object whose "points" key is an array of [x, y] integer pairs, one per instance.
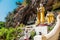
{"points": [[40, 14]]}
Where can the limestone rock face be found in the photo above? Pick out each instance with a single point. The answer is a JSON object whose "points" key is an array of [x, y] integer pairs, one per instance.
{"points": [[26, 13]]}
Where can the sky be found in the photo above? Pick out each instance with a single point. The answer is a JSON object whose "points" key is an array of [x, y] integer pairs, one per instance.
{"points": [[7, 6]]}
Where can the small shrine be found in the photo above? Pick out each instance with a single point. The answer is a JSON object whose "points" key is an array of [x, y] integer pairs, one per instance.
{"points": [[41, 27], [42, 23], [42, 20]]}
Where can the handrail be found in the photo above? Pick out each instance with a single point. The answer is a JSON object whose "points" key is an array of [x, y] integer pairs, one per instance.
{"points": [[55, 29]]}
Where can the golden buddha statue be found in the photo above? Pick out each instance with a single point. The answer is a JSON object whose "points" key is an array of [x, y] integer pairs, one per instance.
{"points": [[50, 18], [40, 14]]}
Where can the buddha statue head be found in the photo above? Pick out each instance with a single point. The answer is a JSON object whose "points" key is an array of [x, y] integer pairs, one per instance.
{"points": [[41, 5]]}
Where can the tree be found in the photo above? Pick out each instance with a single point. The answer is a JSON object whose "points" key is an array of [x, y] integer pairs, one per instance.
{"points": [[18, 3], [28, 1], [2, 24], [9, 19], [56, 5]]}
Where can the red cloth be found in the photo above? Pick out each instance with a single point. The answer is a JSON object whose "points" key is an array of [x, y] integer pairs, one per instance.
{"points": [[42, 25]]}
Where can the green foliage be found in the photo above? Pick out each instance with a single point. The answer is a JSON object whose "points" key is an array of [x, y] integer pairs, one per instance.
{"points": [[2, 31], [28, 1], [9, 18], [18, 3], [56, 5], [21, 25], [10, 33], [2, 24], [50, 28], [33, 33]]}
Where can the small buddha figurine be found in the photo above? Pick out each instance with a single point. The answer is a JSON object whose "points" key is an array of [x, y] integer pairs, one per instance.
{"points": [[50, 18]]}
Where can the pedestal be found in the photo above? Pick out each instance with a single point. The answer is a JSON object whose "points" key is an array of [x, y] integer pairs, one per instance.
{"points": [[42, 29], [38, 37]]}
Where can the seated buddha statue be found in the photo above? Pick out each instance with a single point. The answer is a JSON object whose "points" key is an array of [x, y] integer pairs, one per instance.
{"points": [[50, 18]]}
